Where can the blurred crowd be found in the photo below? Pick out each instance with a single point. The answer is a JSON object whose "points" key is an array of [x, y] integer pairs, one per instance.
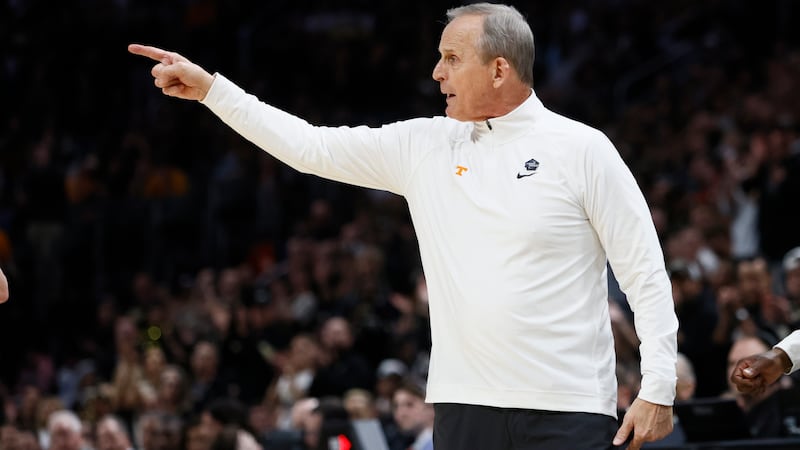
{"points": [[172, 286]]}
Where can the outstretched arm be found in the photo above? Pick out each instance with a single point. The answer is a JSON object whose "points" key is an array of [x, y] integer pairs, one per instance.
{"points": [[174, 74], [378, 158]]}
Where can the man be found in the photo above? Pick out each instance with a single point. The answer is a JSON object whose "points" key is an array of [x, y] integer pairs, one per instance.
{"points": [[413, 415], [754, 374], [761, 408], [791, 283], [112, 434], [517, 210], [65, 431]]}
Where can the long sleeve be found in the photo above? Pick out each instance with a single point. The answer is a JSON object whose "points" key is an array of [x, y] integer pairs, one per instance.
{"points": [[791, 345], [621, 218], [380, 158]]}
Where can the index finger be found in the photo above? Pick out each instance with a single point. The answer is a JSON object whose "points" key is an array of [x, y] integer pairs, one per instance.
{"points": [[635, 443], [153, 53]]}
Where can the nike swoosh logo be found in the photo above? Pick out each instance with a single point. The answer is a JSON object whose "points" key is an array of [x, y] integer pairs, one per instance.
{"points": [[519, 175]]}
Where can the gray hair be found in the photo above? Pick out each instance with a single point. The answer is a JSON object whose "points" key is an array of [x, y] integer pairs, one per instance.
{"points": [[506, 33], [66, 417]]}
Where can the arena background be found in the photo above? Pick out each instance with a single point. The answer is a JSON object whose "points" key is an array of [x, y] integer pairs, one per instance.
{"points": [[117, 202]]}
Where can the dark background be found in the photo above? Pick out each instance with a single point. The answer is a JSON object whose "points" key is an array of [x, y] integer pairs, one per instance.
{"points": [[104, 181]]}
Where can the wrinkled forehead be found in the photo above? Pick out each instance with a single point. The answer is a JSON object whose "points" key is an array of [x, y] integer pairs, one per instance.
{"points": [[461, 34]]}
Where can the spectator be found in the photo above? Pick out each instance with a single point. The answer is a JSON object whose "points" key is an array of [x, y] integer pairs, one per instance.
{"points": [[298, 369], [42, 199], [791, 282], [413, 415], [112, 434], [154, 363], [205, 383], [359, 404], [234, 438], [65, 431], [389, 376], [158, 431], [761, 409], [173, 392], [696, 307], [12, 438], [342, 368]]}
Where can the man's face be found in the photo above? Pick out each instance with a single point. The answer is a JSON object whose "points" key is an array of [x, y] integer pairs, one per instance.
{"points": [[409, 411], [63, 438], [111, 437], [462, 75]]}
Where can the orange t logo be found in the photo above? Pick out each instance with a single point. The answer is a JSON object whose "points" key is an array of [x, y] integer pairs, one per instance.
{"points": [[460, 170]]}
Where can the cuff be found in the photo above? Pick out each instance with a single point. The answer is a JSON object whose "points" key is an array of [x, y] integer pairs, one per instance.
{"points": [[213, 94], [658, 390], [791, 351]]}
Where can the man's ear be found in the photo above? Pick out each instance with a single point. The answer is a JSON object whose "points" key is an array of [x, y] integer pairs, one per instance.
{"points": [[501, 70]]}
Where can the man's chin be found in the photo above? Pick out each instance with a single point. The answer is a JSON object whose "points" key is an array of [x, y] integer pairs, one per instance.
{"points": [[455, 115]]}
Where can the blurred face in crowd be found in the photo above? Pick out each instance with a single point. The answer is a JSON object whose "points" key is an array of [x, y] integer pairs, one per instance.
{"points": [[462, 75], [411, 413], [303, 352], [63, 437], [171, 386], [45, 407], [152, 433], [111, 436], [204, 359], [159, 432], [754, 279], [312, 426], [359, 404], [336, 334], [154, 361], [199, 437], [11, 438]]}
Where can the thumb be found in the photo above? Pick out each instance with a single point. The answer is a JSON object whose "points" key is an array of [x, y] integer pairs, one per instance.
{"points": [[623, 433], [754, 367]]}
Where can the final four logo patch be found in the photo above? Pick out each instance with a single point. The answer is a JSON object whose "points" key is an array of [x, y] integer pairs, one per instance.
{"points": [[530, 168]]}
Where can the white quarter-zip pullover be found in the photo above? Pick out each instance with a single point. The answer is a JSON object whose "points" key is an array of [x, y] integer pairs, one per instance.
{"points": [[516, 218]]}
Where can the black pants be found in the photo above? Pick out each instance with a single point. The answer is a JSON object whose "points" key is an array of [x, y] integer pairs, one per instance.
{"points": [[470, 427]]}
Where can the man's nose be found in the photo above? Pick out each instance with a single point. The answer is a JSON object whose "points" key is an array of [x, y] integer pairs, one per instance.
{"points": [[438, 73]]}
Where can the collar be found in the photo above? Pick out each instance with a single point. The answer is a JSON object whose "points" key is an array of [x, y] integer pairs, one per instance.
{"points": [[512, 125]]}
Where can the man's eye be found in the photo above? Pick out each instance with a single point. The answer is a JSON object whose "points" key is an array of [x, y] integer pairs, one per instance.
{"points": [[451, 59]]}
